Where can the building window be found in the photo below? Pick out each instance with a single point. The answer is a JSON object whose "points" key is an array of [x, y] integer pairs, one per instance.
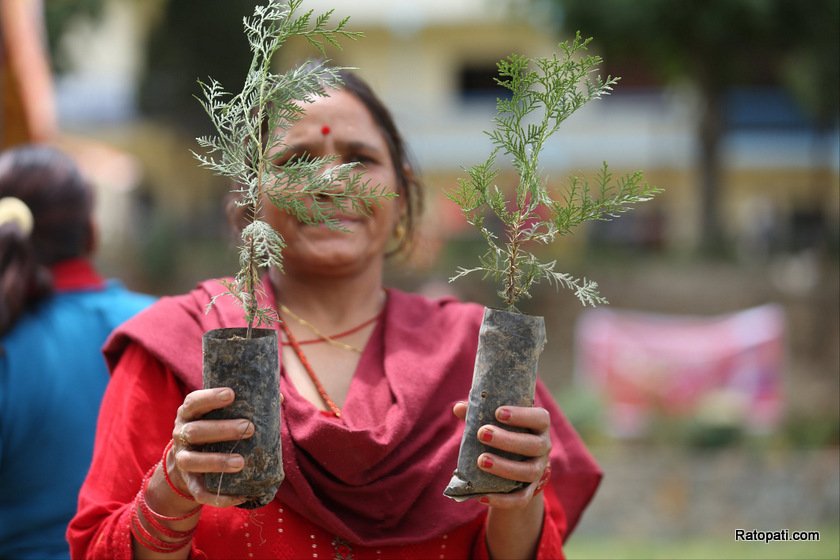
{"points": [[476, 83]]}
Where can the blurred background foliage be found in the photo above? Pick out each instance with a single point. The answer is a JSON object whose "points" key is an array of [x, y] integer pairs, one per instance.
{"points": [[719, 45]]}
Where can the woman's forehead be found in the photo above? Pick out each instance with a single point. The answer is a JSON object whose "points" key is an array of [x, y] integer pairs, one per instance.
{"points": [[340, 114], [339, 104]]}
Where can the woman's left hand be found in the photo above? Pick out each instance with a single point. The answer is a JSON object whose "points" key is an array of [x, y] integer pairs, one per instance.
{"points": [[534, 445]]}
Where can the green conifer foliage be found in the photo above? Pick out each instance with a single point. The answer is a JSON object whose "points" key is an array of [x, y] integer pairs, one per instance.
{"points": [[544, 92], [248, 143]]}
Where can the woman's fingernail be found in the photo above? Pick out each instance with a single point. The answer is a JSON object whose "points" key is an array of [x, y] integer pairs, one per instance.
{"points": [[486, 462], [484, 500], [486, 435], [503, 414]]}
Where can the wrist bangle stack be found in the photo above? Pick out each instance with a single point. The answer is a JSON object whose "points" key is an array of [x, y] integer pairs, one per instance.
{"points": [[156, 521], [166, 474], [150, 542]]}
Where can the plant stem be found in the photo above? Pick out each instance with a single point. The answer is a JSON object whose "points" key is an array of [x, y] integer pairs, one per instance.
{"points": [[252, 277], [250, 282], [514, 232]]}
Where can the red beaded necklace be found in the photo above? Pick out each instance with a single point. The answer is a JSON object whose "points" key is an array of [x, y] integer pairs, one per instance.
{"points": [[311, 372], [296, 347], [330, 339]]}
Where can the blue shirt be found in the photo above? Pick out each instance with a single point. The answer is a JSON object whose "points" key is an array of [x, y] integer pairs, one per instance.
{"points": [[52, 377]]}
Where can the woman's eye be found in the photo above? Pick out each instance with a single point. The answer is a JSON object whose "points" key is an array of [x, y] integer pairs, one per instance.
{"points": [[361, 159]]}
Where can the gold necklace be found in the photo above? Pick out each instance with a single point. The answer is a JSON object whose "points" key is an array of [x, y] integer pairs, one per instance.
{"points": [[329, 339]]}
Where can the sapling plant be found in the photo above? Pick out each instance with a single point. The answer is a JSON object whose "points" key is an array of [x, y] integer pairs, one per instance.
{"points": [[542, 93], [248, 147], [248, 143]]}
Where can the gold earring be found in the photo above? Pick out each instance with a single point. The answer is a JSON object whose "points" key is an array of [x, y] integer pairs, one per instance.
{"points": [[399, 231]]}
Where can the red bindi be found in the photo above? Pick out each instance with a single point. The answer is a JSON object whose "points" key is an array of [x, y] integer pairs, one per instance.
{"points": [[325, 130]]}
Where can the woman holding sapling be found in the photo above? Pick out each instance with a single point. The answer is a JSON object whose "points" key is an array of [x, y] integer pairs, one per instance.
{"points": [[371, 378]]}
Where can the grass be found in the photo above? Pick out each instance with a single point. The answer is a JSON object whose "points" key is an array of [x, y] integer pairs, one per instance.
{"points": [[607, 548]]}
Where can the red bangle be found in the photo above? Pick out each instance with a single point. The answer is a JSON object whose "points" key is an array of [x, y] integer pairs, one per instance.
{"points": [[169, 480], [149, 516], [144, 487], [144, 537], [148, 541], [155, 519]]}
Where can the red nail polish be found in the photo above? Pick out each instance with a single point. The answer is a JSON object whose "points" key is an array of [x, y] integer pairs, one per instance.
{"points": [[503, 414], [486, 436], [487, 462], [484, 500]]}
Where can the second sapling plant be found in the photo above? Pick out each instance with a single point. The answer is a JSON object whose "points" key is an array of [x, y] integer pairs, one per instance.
{"points": [[543, 93]]}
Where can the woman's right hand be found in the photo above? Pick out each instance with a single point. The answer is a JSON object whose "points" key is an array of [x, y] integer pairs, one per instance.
{"points": [[176, 491], [187, 465]]}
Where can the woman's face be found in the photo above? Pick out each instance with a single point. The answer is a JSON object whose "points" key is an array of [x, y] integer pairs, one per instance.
{"points": [[340, 125]]}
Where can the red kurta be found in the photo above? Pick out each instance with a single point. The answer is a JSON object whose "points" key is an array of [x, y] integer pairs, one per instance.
{"points": [[369, 484]]}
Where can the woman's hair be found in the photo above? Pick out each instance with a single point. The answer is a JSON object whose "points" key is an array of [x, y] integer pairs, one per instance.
{"points": [[61, 203]]}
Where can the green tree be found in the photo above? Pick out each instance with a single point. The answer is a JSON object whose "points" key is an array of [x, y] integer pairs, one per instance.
{"points": [[717, 44]]}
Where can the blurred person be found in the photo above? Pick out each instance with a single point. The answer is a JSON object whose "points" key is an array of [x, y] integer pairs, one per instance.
{"points": [[56, 312], [369, 374]]}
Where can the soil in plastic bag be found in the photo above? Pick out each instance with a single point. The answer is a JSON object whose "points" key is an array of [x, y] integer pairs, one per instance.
{"points": [[509, 346], [251, 368]]}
